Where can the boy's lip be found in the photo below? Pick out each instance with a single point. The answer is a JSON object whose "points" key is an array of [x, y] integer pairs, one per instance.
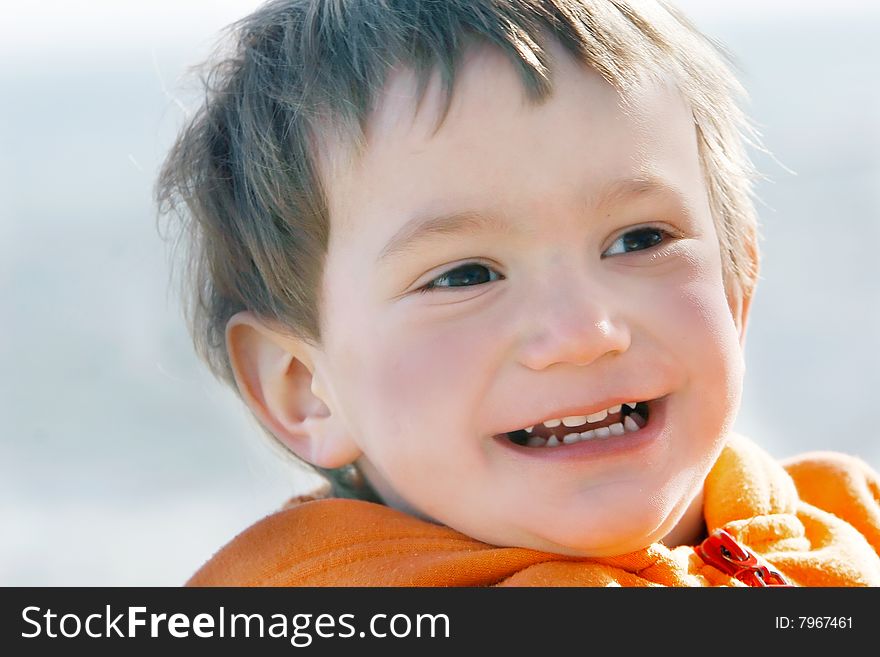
{"points": [[597, 448], [581, 410]]}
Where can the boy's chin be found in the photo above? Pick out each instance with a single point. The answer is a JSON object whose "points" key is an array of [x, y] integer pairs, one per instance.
{"points": [[619, 541], [595, 544], [630, 533], [618, 530], [614, 548]]}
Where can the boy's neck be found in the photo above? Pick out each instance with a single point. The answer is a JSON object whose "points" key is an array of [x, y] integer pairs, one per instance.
{"points": [[691, 529]]}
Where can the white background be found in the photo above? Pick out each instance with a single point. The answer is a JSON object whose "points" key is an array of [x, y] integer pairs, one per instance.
{"points": [[123, 462]]}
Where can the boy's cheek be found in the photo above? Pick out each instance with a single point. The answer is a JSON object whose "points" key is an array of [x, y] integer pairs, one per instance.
{"points": [[401, 383], [705, 320], [709, 342], [697, 296]]}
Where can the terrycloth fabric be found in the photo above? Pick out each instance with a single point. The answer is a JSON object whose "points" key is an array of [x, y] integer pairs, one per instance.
{"points": [[816, 518]]}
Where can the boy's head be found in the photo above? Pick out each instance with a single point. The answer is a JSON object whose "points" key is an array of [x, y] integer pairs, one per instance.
{"points": [[399, 274]]}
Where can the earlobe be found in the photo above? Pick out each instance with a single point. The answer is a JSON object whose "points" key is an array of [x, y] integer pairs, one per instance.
{"points": [[275, 374]]}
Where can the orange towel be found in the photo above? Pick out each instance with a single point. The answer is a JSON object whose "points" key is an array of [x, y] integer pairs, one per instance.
{"points": [[816, 519]]}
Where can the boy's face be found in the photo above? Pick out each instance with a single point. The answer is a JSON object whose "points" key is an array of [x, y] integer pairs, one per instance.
{"points": [[555, 301]]}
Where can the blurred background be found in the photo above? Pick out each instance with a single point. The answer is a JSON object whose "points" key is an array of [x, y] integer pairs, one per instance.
{"points": [[123, 463]]}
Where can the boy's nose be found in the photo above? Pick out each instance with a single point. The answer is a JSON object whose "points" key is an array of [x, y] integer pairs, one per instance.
{"points": [[572, 324]]}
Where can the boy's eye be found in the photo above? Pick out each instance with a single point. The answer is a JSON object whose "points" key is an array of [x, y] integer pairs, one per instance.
{"points": [[473, 273], [636, 240], [466, 275]]}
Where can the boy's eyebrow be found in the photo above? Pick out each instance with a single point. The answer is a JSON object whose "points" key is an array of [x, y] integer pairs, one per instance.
{"points": [[464, 222]]}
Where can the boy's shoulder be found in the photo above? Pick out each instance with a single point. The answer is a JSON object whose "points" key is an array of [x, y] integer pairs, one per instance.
{"points": [[841, 484], [830, 464], [827, 475], [820, 476]]}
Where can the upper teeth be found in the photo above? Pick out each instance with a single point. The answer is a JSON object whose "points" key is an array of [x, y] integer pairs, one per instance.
{"points": [[577, 420]]}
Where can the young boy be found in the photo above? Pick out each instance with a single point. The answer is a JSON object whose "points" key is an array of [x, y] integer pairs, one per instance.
{"points": [[488, 266]]}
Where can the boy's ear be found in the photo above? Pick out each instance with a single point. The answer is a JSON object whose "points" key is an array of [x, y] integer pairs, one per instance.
{"points": [[276, 376], [740, 303]]}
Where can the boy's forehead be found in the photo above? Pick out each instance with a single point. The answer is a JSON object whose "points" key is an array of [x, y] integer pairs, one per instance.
{"points": [[400, 115], [489, 101]]}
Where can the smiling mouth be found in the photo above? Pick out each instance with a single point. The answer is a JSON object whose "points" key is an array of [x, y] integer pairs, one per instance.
{"points": [[624, 420]]}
